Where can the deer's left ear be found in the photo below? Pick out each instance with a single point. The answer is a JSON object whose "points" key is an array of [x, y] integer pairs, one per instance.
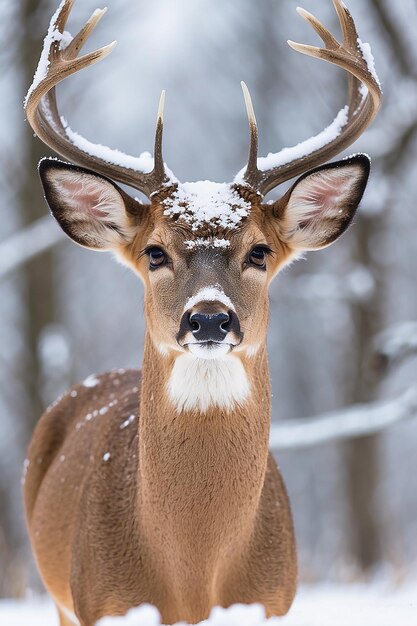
{"points": [[321, 204], [91, 209]]}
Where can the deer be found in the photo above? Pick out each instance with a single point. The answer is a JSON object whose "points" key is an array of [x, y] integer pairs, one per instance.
{"points": [[158, 486]]}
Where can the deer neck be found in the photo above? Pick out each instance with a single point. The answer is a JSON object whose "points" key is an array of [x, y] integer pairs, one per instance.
{"points": [[201, 471]]}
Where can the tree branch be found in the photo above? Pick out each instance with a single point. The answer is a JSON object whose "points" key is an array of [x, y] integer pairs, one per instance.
{"points": [[395, 37], [28, 243], [356, 421], [394, 346]]}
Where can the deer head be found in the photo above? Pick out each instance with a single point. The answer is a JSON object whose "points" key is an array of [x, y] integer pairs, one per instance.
{"points": [[206, 252]]}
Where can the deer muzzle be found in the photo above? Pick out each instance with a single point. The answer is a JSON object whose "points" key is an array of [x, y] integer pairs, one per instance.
{"points": [[209, 330]]}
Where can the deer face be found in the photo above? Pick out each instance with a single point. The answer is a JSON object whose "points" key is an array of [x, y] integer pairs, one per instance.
{"points": [[206, 252], [206, 289]]}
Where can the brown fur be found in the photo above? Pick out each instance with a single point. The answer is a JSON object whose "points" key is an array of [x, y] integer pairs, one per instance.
{"points": [[190, 525]]}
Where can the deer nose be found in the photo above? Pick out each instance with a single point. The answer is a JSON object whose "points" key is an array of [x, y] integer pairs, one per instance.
{"points": [[210, 326]]}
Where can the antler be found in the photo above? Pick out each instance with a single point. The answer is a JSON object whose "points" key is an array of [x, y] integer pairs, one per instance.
{"points": [[60, 59], [364, 103]]}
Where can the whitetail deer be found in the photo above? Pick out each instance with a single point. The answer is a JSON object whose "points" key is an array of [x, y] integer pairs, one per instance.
{"points": [[176, 500]]}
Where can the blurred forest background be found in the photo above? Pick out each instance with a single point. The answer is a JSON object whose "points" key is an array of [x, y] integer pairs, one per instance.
{"points": [[70, 312]]}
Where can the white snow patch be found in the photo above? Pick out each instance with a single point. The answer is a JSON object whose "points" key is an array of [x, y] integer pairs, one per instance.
{"points": [[366, 51], [205, 202], [364, 92], [145, 615], [144, 163], [52, 36], [201, 242], [287, 155], [73, 393], [91, 381], [127, 422], [209, 294], [26, 464], [318, 605], [106, 457]]}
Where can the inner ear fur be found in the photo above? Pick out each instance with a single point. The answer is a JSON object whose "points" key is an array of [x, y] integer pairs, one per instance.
{"points": [[91, 209], [321, 204]]}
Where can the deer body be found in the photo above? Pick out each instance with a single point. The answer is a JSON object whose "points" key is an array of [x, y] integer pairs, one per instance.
{"points": [[172, 497], [187, 514]]}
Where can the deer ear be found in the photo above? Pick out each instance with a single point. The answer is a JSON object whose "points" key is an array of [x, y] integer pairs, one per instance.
{"points": [[322, 203], [90, 209]]}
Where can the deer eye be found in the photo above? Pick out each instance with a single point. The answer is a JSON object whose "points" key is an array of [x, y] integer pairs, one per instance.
{"points": [[157, 257], [258, 257]]}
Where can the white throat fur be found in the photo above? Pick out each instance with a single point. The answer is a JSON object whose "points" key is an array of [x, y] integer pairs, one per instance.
{"points": [[200, 384]]}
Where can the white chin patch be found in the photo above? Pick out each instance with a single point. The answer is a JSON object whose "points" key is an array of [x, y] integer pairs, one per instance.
{"points": [[201, 382], [213, 351]]}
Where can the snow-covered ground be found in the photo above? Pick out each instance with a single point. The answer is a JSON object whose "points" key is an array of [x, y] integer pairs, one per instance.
{"points": [[324, 605]]}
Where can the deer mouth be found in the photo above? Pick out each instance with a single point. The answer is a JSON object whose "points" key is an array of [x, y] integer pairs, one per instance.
{"points": [[209, 349]]}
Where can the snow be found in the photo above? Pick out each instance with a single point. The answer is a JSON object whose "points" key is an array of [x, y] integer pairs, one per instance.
{"points": [[200, 242], [147, 615], [397, 342], [144, 163], [26, 464], [52, 36], [287, 155], [366, 51], [207, 203], [377, 604], [127, 422], [91, 381], [209, 294], [106, 457]]}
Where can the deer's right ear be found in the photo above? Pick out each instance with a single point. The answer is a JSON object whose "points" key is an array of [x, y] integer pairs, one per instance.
{"points": [[322, 203], [90, 209]]}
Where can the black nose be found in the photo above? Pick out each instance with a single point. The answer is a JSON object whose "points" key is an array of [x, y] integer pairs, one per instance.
{"points": [[209, 326]]}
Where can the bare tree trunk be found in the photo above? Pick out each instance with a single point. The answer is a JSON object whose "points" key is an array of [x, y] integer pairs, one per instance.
{"points": [[39, 273], [362, 455]]}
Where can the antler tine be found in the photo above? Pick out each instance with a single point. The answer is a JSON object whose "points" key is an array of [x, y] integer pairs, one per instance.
{"points": [[62, 15], [59, 61], [159, 167], [350, 38], [364, 103], [252, 173], [73, 49], [347, 24], [329, 41]]}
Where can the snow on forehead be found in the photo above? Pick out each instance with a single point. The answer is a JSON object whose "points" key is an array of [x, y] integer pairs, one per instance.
{"points": [[205, 203]]}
